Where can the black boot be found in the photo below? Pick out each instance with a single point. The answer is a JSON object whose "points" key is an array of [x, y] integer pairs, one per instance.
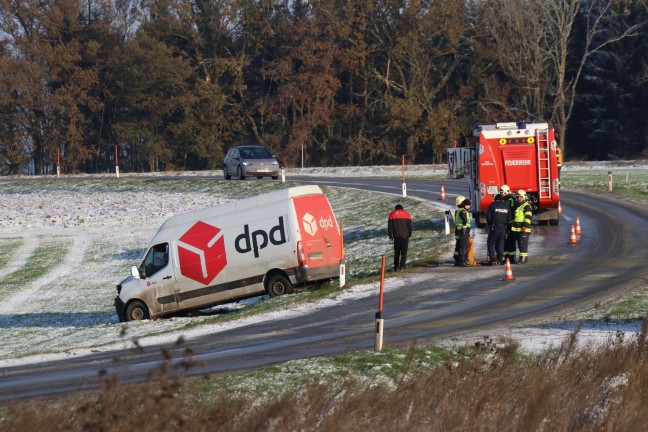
{"points": [[523, 260], [494, 262]]}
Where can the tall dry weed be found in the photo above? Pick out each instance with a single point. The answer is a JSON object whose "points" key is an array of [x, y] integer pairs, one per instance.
{"points": [[484, 388]]}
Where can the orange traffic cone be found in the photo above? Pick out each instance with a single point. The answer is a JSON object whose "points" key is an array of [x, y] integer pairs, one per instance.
{"points": [[509, 272], [578, 229], [572, 238], [442, 192], [559, 208]]}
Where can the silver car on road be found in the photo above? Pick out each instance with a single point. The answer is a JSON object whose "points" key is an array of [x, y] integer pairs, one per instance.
{"points": [[250, 161]]}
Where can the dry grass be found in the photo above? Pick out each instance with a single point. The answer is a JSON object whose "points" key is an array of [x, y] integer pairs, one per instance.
{"points": [[481, 388]]}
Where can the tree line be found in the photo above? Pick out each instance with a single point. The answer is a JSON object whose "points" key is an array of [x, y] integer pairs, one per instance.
{"points": [[172, 84]]}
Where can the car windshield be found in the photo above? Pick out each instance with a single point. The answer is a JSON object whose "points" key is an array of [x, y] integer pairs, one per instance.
{"points": [[255, 153]]}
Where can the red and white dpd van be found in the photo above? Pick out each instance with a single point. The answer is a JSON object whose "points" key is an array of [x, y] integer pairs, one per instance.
{"points": [[264, 244]]}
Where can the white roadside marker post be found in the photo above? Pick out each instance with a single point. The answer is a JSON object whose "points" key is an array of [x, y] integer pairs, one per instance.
{"points": [[403, 177], [380, 322]]}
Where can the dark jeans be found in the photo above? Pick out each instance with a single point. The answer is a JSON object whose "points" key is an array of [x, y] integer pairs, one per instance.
{"points": [[400, 251], [495, 242]]}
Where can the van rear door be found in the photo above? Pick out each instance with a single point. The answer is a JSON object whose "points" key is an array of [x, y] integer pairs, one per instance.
{"points": [[320, 235]]}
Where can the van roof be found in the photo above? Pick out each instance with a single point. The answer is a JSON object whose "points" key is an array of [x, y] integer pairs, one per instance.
{"points": [[241, 204]]}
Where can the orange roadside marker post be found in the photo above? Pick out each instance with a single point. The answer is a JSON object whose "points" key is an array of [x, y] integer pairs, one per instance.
{"points": [[443, 193], [572, 237], [578, 227], [559, 208], [509, 273]]}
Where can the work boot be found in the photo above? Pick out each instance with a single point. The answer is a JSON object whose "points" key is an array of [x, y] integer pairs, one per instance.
{"points": [[494, 262], [523, 260], [502, 261]]}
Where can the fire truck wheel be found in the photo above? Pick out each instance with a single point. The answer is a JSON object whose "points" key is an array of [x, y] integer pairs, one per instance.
{"points": [[278, 285], [136, 311], [553, 222]]}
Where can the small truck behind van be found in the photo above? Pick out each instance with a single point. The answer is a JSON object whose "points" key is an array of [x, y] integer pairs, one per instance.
{"points": [[265, 244]]}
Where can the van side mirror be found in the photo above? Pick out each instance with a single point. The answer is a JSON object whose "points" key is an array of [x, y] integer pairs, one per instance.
{"points": [[135, 272]]}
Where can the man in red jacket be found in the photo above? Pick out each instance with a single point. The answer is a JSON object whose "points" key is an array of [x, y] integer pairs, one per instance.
{"points": [[399, 229]]}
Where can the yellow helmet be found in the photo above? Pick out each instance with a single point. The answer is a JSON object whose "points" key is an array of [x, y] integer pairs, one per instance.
{"points": [[522, 193], [459, 200], [505, 190]]}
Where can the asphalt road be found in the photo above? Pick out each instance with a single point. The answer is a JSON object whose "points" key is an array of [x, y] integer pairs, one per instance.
{"points": [[609, 258]]}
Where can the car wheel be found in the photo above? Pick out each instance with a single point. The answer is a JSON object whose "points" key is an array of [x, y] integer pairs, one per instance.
{"points": [[278, 285], [239, 173], [136, 311], [226, 174]]}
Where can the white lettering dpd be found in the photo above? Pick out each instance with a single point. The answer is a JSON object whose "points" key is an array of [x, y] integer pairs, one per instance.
{"points": [[258, 239], [326, 223]]}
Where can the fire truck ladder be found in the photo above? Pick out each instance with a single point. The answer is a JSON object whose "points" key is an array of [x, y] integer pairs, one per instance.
{"points": [[544, 172]]}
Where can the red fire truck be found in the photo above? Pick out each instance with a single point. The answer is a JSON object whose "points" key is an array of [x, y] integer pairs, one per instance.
{"points": [[521, 155]]}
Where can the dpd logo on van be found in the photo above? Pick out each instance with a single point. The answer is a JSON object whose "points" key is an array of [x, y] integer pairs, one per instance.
{"points": [[310, 223], [201, 252], [259, 239]]}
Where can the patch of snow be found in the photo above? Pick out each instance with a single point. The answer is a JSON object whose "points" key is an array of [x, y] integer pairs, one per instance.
{"points": [[83, 220]]}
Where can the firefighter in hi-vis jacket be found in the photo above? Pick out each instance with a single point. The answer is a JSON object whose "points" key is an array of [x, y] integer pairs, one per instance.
{"points": [[462, 231], [507, 196], [518, 236]]}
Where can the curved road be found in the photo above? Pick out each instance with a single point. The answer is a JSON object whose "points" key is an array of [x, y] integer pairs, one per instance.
{"points": [[610, 257]]}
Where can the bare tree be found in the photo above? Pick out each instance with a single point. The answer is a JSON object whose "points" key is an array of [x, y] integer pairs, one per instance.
{"points": [[560, 17], [514, 36], [541, 47]]}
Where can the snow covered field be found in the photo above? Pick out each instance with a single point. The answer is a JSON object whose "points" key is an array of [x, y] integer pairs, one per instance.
{"points": [[65, 243]]}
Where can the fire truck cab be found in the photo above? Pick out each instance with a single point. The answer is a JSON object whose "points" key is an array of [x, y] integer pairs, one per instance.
{"points": [[521, 155]]}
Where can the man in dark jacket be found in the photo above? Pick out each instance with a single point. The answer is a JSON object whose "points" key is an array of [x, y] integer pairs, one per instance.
{"points": [[498, 218], [399, 229]]}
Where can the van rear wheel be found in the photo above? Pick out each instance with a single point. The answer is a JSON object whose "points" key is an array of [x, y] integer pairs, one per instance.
{"points": [[279, 285], [136, 311]]}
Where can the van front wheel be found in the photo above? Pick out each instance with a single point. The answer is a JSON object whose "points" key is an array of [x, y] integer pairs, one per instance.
{"points": [[278, 285], [136, 311]]}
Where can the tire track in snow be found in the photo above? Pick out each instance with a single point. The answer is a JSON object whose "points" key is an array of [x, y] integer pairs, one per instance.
{"points": [[76, 252], [20, 259]]}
